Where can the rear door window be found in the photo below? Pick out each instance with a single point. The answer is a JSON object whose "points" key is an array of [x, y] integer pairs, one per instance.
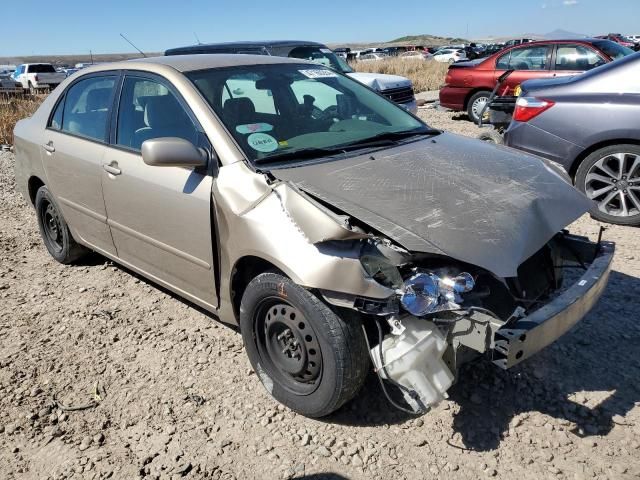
{"points": [[87, 107], [526, 58], [578, 58]]}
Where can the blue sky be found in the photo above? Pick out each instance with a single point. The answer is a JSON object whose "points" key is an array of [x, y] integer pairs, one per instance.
{"points": [[77, 26]]}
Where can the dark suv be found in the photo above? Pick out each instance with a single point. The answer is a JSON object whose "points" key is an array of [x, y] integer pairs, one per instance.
{"points": [[468, 84], [396, 88]]}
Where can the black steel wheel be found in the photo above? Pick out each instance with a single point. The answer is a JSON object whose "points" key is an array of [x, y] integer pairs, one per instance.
{"points": [[308, 357], [287, 341], [611, 178], [54, 229]]}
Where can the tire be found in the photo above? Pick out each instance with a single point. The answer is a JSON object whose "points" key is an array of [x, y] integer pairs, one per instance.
{"points": [[54, 230], [32, 89], [475, 104], [614, 185], [306, 356], [491, 136]]}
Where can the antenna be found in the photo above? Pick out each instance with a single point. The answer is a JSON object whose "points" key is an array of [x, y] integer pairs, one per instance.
{"points": [[197, 39], [130, 43]]}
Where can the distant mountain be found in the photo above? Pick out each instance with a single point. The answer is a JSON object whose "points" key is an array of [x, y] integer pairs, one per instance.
{"points": [[563, 34]]}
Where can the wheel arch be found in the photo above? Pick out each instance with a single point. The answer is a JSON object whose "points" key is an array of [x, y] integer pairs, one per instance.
{"points": [[244, 270], [471, 93], [33, 185], [594, 148]]}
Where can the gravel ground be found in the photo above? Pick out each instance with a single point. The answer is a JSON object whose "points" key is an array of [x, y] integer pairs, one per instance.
{"points": [[178, 397]]}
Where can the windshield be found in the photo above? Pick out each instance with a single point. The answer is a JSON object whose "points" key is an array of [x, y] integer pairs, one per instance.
{"points": [[321, 56], [277, 110], [613, 49]]}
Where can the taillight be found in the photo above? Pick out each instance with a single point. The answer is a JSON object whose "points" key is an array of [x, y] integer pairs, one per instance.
{"points": [[36, 78], [528, 108]]}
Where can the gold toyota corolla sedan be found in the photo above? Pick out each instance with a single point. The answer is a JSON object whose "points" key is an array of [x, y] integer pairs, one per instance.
{"points": [[337, 230]]}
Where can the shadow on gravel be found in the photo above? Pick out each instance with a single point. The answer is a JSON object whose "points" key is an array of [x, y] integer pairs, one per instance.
{"points": [[322, 476], [600, 357]]}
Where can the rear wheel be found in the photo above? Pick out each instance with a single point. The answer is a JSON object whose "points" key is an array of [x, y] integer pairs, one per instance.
{"points": [[306, 356], [54, 229], [611, 178], [32, 89], [476, 104]]}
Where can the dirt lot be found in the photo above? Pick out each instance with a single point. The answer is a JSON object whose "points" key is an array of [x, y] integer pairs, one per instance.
{"points": [[178, 398]]}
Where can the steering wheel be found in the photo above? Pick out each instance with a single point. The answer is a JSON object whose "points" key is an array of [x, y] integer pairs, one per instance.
{"points": [[328, 113]]}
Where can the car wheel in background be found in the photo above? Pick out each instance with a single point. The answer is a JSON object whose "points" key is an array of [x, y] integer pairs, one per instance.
{"points": [[306, 356], [476, 104], [611, 178], [491, 136], [32, 89], [55, 231]]}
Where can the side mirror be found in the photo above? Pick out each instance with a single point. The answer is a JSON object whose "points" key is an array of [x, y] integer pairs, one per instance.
{"points": [[172, 152]]}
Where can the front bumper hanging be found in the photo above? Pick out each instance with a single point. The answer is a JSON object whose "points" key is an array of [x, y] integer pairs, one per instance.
{"points": [[521, 339]]}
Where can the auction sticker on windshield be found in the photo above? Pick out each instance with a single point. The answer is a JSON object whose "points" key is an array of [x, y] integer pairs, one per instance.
{"points": [[318, 73], [262, 142]]}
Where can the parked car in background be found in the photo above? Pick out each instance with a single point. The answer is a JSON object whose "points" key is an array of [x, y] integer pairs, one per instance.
{"points": [[9, 86], [589, 124], [7, 69], [449, 55], [70, 71], [394, 87], [517, 41], [634, 38], [36, 77], [469, 84], [316, 227], [619, 39], [372, 57], [420, 55]]}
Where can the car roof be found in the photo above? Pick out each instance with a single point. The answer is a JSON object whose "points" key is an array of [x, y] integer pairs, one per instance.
{"points": [[245, 44], [188, 63]]}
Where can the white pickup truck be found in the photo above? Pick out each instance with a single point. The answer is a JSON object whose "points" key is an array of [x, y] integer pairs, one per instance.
{"points": [[38, 76]]}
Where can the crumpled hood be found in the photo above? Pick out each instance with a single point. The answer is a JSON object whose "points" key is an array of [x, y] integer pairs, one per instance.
{"points": [[380, 81], [489, 206]]}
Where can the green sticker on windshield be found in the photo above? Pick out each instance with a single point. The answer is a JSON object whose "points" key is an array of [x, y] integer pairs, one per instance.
{"points": [[262, 142]]}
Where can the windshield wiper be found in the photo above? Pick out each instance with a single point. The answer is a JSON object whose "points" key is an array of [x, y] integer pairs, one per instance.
{"points": [[388, 137], [380, 140], [299, 154]]}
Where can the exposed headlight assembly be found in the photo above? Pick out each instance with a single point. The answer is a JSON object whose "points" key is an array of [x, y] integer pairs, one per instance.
{"points": [[381, 270], [426, 292]]}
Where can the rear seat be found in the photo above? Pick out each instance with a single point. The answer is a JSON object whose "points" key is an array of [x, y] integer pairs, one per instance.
{"points": [[92, 122]]}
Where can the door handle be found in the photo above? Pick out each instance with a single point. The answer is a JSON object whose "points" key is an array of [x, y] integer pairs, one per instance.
{"points": [[49, 147], [112, 168]]}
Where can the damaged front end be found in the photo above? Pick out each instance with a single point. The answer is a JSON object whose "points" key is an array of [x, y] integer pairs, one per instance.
{"points": [[445, 313]]}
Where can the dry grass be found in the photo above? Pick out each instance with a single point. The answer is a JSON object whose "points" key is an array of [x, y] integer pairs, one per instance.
{"points": [[424, 75], [13, 109]]}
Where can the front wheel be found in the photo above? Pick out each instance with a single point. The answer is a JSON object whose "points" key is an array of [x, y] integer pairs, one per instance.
{"points": [[32, 89], [611, 178], [307, 357]]}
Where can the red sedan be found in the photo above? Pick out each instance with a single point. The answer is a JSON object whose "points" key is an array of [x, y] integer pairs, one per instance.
{"points": [[468, 84]]}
